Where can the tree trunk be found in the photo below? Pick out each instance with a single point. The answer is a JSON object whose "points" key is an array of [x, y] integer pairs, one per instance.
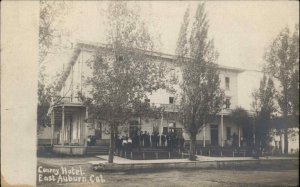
{"points": [[285, 126], [286, 141], [192, 155], [285, 118], [112, 145]]}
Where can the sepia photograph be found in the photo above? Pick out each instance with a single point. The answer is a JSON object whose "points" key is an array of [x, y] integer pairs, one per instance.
{"points": [[153, 93]]}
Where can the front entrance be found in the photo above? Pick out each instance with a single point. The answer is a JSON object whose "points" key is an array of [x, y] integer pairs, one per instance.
{"points": [[214, 135], [98, 131], [177, 131], [134, 128]]}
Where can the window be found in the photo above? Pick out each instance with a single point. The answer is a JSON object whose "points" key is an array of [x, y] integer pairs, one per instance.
{"points": [[227, 82], [171, 100], [165, 130], [228, 133], [147, 100], [227, 103]]}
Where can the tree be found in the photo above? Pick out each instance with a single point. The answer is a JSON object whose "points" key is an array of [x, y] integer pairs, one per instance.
{"points": [[123, 75], [264, 106], [51, 13], [282, 63], [50, 18], [201, 96], [240, 117]]}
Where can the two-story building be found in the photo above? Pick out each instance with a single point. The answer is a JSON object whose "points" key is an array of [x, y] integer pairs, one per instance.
{"points": [[69, 128]]}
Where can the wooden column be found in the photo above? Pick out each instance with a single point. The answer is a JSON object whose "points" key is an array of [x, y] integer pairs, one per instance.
{"points": [[71, 131], [239, 131], [161, 128], [86, 113], [63, 125], [52, 126], [204, 129], [222, 131], [161, 123]]}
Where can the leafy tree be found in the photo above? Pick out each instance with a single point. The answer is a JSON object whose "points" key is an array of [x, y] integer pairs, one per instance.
{"points": [[242, 119], [264, 106], [201, 96], [282, 63], [51, 13], [51, 16], [123, 75]]}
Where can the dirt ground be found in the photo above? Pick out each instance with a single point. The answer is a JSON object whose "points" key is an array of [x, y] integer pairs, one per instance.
{"points": [[166, 178]]}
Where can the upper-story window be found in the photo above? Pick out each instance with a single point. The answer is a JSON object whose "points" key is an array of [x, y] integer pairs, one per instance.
{"points": [[227, 83], [227, 103], [171, 100]]}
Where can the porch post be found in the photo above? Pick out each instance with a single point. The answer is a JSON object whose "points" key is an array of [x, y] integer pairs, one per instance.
{"points": [[222, 129], [161, 123], [71, 130], [86, 112], [63, 125], [161, 128], [204, 129], [239, 131], [52, 126]]}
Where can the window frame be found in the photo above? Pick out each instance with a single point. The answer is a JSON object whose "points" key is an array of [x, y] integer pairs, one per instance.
{"points": [[227, 83], [227, 105]]}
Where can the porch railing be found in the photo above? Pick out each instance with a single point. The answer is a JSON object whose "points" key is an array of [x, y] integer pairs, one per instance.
{"points": [[170, 107]]}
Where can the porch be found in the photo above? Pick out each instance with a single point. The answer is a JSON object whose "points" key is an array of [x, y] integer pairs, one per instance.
{"points": [[68, 129]]}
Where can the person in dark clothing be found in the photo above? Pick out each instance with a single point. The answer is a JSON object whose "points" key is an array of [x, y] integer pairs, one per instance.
{"points": [[181, 143], [148, 139], [91, 140], [137, 140], [152, 140], [163, 140], [120, 141], [129, 144], [157, 137], [234, 140], [144, 137], [176, 141], [139, 145], [121, 144], [169, 141]]}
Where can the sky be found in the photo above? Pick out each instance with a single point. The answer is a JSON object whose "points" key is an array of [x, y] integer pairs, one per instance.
{"points": [[241, 30]]}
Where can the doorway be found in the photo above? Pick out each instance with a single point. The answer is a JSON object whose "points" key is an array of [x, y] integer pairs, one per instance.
{"points": [[214, 135]]}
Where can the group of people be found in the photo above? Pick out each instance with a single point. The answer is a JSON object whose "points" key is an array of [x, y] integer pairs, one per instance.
{"points": [[140, 139], [91, 140]]}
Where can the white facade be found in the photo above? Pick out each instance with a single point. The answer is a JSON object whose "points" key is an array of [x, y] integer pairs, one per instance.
{"points": [[79, 69], [237, 84]]}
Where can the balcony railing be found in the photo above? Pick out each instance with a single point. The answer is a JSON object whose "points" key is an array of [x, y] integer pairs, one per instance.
{"points": [[71, 100], [170, 107]]}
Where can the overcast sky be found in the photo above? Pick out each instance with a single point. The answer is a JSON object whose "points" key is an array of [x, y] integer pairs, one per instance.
{"points": [[241, 30]]}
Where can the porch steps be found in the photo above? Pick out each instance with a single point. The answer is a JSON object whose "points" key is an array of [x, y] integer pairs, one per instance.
{"points": [[97, 150]]}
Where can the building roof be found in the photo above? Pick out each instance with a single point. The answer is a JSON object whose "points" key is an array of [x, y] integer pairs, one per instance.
{"points": [[91, 47]]}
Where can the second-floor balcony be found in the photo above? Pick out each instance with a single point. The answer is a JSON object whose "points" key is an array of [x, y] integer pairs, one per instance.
{"points": [[170, 107], [75, 100]]}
